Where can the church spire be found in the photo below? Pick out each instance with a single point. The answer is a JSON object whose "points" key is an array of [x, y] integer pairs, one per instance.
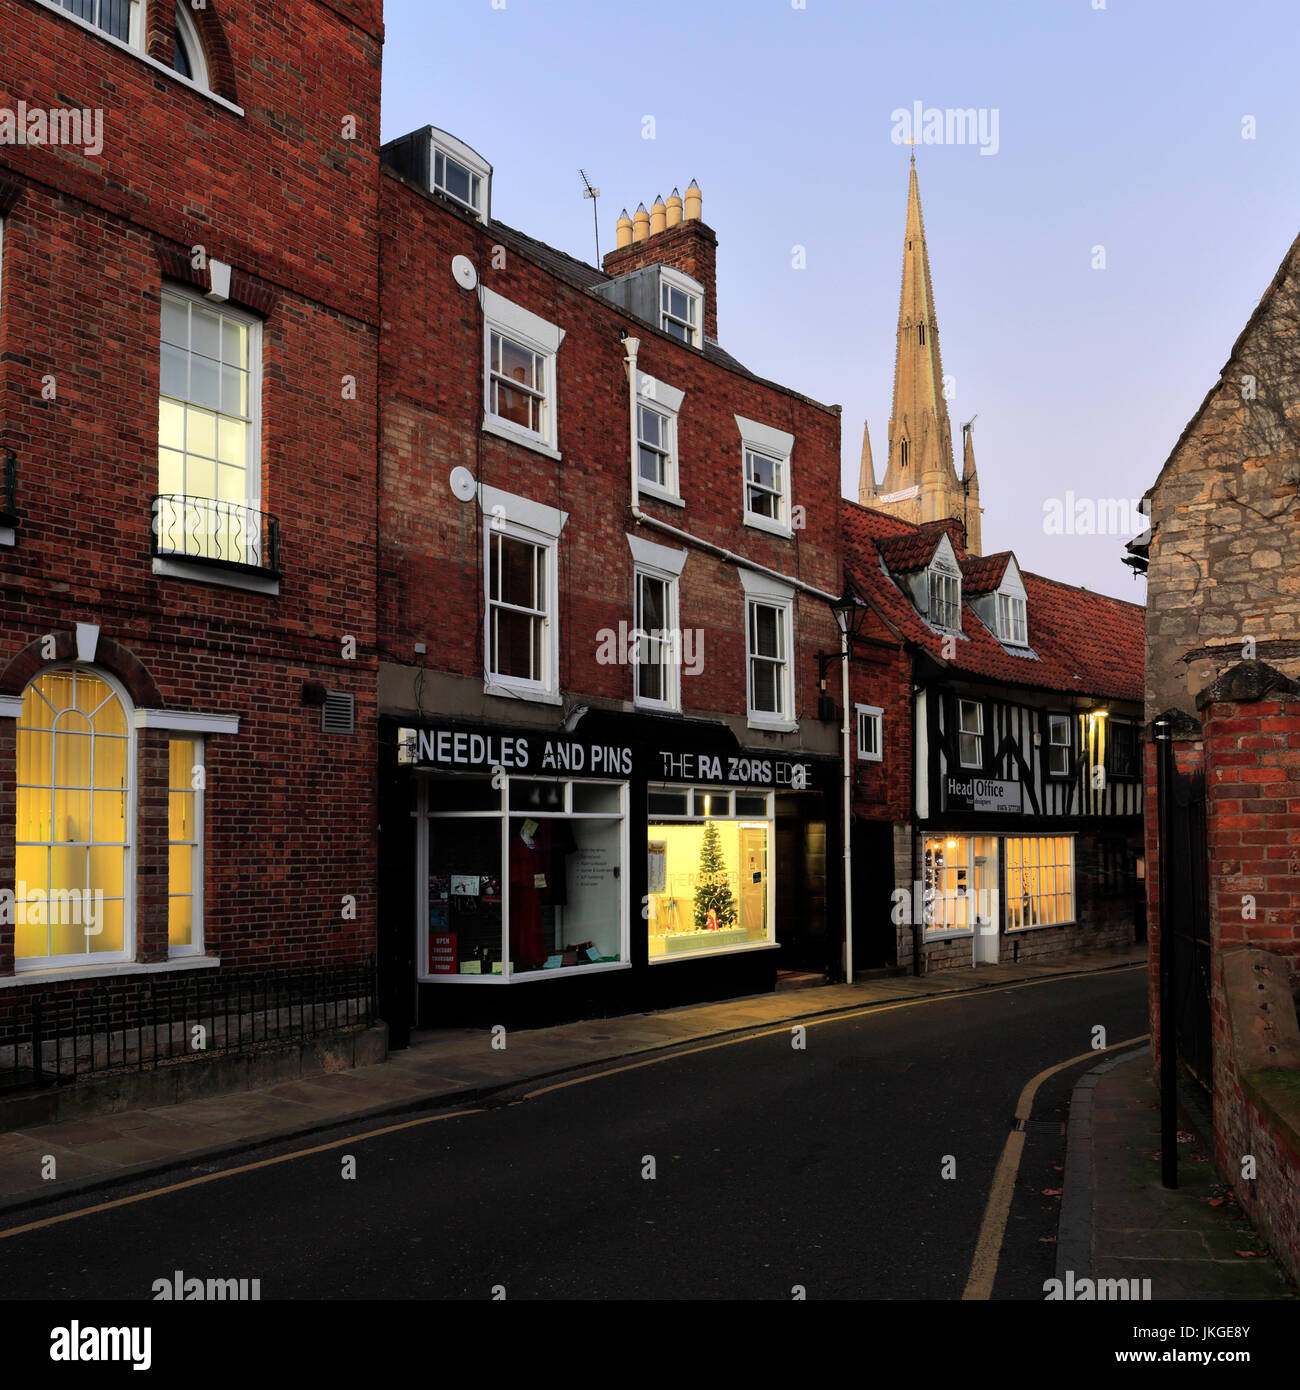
{"points": [[867, 490], [920, 481]]}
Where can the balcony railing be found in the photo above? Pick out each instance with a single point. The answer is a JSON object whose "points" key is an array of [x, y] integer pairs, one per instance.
{"points": [[206, 531], [9, 490]]}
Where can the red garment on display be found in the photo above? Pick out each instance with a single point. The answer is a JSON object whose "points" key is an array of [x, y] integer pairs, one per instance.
{"points": [[527, 932]]}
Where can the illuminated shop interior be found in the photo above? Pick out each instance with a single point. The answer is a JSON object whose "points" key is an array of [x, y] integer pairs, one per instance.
{"points": [[709, 884]]}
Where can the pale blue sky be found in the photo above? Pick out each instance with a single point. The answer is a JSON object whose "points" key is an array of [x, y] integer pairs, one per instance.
{"points": [[1119, 127]]}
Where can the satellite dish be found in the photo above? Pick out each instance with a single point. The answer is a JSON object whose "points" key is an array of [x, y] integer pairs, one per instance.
{"points": [[463, 270], [462, 480]]}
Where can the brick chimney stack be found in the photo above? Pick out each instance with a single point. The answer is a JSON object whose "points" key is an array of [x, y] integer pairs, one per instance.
{"points": [[672, 234]]}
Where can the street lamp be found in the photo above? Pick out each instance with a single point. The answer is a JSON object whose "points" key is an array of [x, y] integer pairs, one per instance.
{"points": [[850, 613]]}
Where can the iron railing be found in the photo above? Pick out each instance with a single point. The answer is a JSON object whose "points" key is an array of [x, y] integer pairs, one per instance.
{"points": [[137, 1025], [207, 531]]}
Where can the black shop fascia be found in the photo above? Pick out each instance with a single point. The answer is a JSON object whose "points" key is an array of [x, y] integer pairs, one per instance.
{"points": [[629, 862]]}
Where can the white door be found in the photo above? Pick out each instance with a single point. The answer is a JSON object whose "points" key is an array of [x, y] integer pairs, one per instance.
{"points": [[986, 909]]}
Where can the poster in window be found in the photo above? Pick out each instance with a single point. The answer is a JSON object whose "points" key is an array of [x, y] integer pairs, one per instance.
{"points": [[657, 871]]}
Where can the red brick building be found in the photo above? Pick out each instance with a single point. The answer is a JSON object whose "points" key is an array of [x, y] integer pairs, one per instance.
{"points": [[607, 553], [188, 374], [996, 754]]}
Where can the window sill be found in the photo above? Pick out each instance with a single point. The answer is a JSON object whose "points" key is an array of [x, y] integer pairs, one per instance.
{"points": [[524, 977], [504, 430], [1038, 926], [947, 933], [143, 57], [513, 692], [124, 967], [660, 494], [207, 574], [762, 523], [774, 726], [871, 757], [722, 951], [655, 706]]}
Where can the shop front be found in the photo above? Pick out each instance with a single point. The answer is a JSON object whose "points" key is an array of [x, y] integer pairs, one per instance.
{"points": [[631, 862]]}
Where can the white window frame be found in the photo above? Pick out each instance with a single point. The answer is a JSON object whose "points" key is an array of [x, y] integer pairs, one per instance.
{"points": [[666, 401], [195, 948], [961, 731], [534, 334], [444, 144], [941, 578], [870, 716], [193, 45], [670, 642], [88, 960], [505, 513], [1013, 619], [760, 590], [253, 457], [672, 279], [7, 534], [775, 444], [1059, 721]]}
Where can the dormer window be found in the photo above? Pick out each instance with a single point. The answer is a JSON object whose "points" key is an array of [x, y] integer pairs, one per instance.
{"points": [[460, 174], [681, 305], [945, 600], [1013, 625]]}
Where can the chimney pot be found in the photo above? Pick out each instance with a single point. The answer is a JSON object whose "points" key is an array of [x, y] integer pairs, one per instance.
{"points": [[624, 229], [641, 224], [694, 201], [673, 208], [658, 216]]}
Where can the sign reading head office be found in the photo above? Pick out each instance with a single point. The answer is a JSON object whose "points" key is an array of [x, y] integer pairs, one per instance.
{"points": [[980, 794], [531, 754]]}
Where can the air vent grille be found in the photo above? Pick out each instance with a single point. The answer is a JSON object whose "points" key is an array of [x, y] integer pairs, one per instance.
{"points": [[338, 714]]}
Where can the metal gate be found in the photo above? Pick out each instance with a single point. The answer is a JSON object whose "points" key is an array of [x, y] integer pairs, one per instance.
{"points": [[1187, 917]]}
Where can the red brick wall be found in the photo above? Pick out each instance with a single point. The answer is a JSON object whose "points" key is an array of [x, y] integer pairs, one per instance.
{"points": [[291, 204], [431, 548]]}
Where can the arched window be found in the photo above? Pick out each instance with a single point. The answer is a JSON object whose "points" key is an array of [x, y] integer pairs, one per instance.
{"points": [[903, 452], [187, 51], [75, 813]]}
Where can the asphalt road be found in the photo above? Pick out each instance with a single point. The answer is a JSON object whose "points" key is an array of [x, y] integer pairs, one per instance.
{"points": [[774, 1168]]}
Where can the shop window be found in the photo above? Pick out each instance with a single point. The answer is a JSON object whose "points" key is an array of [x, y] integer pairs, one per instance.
{"points": [[1040, 880], [185, 784], [709, 880], [519, 892], [1058, 745], [970, 733], [960, 886], [74, 817]]}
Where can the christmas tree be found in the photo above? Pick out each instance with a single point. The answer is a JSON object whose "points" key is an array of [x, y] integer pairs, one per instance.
{"points": [[713, 890]]}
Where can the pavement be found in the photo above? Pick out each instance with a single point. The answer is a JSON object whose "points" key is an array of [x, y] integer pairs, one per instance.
{"points": [[1116, 1220], [1192, 1242]]}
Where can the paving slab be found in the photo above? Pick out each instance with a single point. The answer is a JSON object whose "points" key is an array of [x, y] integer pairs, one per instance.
{"points": [[1117, 1222]]}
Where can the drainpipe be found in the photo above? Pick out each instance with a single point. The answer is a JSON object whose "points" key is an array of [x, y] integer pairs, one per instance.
{"points": [[848, 818]]}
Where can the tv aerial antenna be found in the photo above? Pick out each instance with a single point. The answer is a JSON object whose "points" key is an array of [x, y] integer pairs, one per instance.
{"points": [[593, 194]]}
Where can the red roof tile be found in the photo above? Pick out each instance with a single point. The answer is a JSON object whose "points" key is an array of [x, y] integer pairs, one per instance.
{"points": [[1085, 643]]}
